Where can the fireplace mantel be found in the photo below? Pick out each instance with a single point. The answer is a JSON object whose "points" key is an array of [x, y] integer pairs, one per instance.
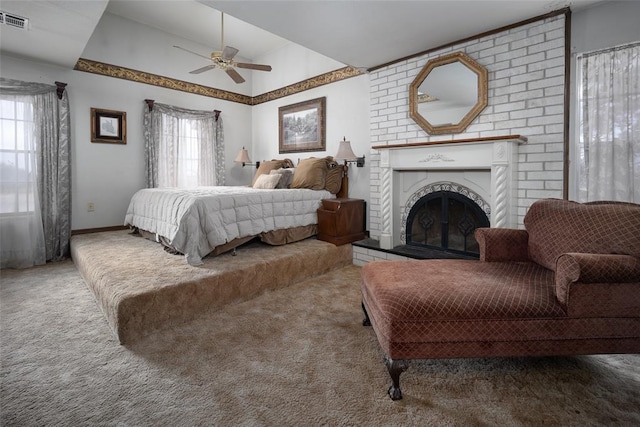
{"points": [[519, 138], [496, 155]]}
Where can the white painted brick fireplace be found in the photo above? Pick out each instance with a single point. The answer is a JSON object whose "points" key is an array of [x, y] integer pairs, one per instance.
{"points": [[526, 94], [485, 170], [526, 68]]}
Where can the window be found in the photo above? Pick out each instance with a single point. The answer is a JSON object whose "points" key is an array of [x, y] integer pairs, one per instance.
{"points": [[180, 153], [35, 175], [17, 156], [184, 148], [608, 138]]}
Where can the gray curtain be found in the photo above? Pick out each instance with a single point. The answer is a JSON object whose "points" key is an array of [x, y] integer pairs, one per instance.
{"points": [[219, 151], [164, 129], [52, 145]]}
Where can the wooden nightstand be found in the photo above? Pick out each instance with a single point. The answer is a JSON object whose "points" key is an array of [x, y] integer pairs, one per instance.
{"points": [[341, 221]]}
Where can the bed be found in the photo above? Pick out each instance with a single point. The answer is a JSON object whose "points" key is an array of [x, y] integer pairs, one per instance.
{"points": [[201, 221]]}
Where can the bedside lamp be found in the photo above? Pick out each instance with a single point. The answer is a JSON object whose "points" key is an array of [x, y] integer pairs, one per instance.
{"points": [[243, 157], [345, 153]]}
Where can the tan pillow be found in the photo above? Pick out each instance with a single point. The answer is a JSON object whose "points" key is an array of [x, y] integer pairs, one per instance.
{"points": [[267, 166], [333, 182], [286, 177], [310, 173], [266, 182]]}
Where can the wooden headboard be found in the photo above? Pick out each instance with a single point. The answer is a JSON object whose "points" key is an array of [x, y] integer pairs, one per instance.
{"points": [[344, 188]]}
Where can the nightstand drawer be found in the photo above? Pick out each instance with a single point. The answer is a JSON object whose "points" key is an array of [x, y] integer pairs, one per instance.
{"points": [[341, 221]]}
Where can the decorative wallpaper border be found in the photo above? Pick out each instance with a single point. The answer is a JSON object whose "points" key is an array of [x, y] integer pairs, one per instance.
{"points": [[109, 70], [130, 74], [313, 82]]}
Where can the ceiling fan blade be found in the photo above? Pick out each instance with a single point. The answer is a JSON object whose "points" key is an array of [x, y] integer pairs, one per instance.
{"points": [[187, 50], [234, 75], [229, 52], [258, 67], [203, 69]]}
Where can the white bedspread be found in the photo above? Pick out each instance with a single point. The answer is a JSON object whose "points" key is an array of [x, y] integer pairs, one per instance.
{"points": [[196, 220]]}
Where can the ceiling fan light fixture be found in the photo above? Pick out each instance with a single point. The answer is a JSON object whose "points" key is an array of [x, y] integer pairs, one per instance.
{"points": [[223, 59]]}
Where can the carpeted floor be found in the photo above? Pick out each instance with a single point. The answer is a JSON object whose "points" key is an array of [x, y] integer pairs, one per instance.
{"points": [[142, 289], [290, 357]]}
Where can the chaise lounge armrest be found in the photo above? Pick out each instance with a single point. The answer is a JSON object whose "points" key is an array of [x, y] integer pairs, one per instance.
{"points": [[502, 244], [593, 285]]}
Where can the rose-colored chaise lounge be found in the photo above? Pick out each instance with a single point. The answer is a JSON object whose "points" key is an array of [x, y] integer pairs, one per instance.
{"points": [[569, 284]]}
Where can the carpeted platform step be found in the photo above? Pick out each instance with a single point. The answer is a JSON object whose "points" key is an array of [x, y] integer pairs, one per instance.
{"points": [[142, 289]]}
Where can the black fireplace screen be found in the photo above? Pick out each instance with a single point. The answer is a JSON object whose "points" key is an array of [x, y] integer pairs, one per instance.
{"points": [[446, 220]]}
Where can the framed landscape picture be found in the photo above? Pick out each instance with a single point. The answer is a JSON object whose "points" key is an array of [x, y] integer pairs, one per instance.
{"points": [[302, 126], [108, 126]]}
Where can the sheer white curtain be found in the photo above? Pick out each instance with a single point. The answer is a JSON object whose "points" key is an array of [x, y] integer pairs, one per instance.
{"points": [[184, 148], [21, 229], [609, 137], [35, 175]]}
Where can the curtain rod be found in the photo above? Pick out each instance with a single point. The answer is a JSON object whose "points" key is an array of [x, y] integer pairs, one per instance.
{"points": [[151, 101], [608, 49]]}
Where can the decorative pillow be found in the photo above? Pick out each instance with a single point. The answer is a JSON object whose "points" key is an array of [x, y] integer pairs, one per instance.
{"points": [[311, 173], [286, 177], [266, 182], [333, 181], [557, 226], [268, 165]]}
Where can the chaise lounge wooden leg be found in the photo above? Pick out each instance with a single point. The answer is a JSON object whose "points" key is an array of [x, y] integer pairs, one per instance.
{"points": [[365, 321], [395, 368]]}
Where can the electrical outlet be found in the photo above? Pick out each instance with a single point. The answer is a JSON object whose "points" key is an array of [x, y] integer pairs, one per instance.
{"points": [[91, 207]]}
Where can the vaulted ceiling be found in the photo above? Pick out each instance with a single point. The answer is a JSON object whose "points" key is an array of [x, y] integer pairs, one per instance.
{"points": [[360, 33]]}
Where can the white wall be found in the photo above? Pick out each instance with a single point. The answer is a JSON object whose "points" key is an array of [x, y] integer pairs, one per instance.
{"points": [[347, 110], [109, 174], [347, 116], [290, 64], [605, 25], [125, 43]]}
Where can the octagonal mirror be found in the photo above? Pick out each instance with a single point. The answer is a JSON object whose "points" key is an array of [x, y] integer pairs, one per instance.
{"points": [[448, 94]]}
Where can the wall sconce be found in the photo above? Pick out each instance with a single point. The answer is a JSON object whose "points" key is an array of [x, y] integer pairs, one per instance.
{"points": [[346, 154], [243, 157]]}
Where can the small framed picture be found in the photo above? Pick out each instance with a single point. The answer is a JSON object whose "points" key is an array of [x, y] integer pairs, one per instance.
{"points": [[302, 126], [108, 126]]}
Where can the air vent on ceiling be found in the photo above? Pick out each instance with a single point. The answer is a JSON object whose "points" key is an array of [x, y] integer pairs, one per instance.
{"points": [[13, 20]]}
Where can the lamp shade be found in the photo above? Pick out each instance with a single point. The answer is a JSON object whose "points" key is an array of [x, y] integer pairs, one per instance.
{"points": [[345, 152], [243, 156]]}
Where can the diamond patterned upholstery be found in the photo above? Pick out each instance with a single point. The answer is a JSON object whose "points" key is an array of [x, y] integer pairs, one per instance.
{"points": [[503, 244], [556, 227], [569, 284]]}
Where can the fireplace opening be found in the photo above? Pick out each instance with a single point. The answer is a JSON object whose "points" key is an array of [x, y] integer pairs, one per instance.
{"points": [[446, 220]]}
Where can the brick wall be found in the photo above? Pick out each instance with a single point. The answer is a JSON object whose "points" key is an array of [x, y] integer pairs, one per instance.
{"points": [[362, 256], [526, 97]]}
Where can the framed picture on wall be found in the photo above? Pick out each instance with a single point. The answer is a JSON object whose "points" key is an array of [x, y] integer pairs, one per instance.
{"points": [[302, 126], [108, 126]]}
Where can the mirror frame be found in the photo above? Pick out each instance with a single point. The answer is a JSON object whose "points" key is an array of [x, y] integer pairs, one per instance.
{"points": [[471, 115]]}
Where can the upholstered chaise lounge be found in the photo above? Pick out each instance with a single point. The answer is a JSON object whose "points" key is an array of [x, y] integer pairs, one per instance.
{"points": [[569, 284]]}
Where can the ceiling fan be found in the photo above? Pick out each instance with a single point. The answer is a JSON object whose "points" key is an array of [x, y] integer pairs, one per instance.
{"points": [[223, 59]]}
